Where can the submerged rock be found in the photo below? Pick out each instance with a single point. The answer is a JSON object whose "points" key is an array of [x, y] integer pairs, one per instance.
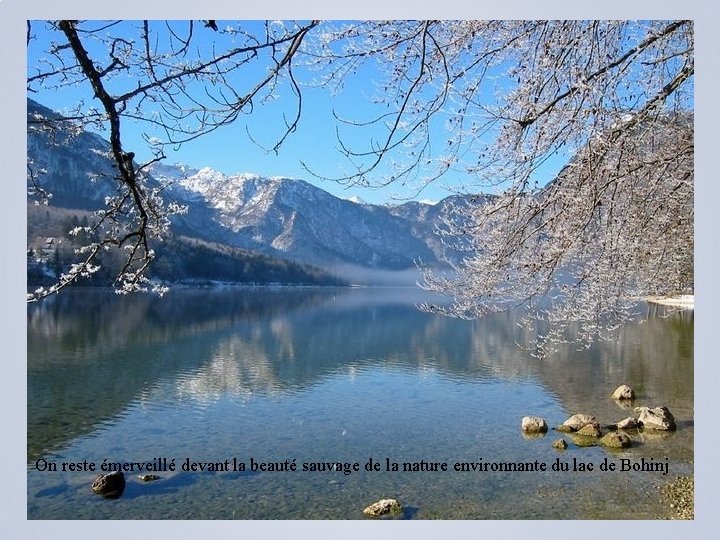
{"points": [[534, 424], [383, 507], [583, 440], [615, 439], [560, 444], [577, 421], [623, 392], [110, 485], [148, 477], [658, 418], [590, 430]]}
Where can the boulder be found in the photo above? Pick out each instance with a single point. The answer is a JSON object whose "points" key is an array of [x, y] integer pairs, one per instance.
{"points": [[534, 424], [615, 439], [560, 444], [627, 423], [110, 485], [623, 392], [658, 418], [578, 421], [583, 440], [383, 507], [590, 430]]}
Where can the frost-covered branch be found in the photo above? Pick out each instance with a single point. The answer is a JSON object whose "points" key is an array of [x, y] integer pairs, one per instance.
{"points": [[168, 77], [494, 103]]}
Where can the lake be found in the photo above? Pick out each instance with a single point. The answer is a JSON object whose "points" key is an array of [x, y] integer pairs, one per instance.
{"points": [[338, 375]]}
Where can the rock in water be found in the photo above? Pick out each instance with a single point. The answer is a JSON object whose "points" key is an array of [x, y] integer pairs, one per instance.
{"points": [[560, 444], [110, 485], [583, 441], [534, 424], [590, 430], [615, 440], [623, 392], [658, 418], [628, 423], [383, 507], [148, 477], [578, 421]]}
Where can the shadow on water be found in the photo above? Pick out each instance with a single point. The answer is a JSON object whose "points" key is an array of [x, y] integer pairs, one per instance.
{"points": [[53, 491], [410, 512], [135, 488]]}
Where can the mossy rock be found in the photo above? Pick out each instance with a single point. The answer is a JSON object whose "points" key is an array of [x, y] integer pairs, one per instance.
{"points": [[148, 477], [590, 430], [615, 439], [560, 444], [583, 440]]}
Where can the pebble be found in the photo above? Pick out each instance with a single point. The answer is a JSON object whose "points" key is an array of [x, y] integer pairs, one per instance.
{"points": [[681, 497]]}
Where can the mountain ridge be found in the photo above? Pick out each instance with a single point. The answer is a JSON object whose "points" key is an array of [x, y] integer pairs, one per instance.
{"points": [[276, 216]]}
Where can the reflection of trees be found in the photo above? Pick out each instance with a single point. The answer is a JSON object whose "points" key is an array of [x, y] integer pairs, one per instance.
{"points": [[211, 344], [655, 357], [237, 368], [289, 351], [88, 323], [91, 352]]}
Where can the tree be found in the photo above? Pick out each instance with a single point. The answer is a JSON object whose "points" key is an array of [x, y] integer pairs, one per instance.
{"points": [[491, 103], [178, 83], [614, 99]]}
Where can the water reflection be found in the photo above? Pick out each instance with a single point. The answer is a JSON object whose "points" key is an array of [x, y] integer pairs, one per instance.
{"points": [[92, 354]]}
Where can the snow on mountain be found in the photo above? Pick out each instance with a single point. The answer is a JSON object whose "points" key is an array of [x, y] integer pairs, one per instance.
{"points": [[295, 219], [355, 198], [277, 216]]}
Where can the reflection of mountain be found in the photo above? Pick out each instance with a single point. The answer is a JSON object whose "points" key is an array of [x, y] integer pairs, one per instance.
{"points": [[236, 368], [92, 354]]}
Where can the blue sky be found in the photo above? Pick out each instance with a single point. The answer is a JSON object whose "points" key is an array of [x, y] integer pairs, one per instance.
{"points": [[241, 147]]}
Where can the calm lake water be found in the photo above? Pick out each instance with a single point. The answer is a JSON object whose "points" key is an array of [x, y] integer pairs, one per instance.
{"points": [[340, 375]]}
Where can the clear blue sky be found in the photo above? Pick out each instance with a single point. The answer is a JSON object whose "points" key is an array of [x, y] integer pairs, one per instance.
{"points": [[230, 149]]}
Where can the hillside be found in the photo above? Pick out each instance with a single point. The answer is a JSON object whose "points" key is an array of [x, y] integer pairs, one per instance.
{"points": [[237, 216]]}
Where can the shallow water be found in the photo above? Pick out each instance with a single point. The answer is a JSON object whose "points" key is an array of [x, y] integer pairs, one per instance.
{"points": [[335, 375]]}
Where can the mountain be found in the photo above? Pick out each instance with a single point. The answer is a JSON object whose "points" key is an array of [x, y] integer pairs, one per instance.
{"points": [[77, 168], [278, 217], [178, 259], [294, 219]]}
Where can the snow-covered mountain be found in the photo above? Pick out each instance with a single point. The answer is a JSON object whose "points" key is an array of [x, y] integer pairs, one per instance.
{"points": [[276, 216], [294, 219]]}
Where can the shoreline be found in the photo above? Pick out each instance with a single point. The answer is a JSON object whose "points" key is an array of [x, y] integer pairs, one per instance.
{"points": [[686, 301]]}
